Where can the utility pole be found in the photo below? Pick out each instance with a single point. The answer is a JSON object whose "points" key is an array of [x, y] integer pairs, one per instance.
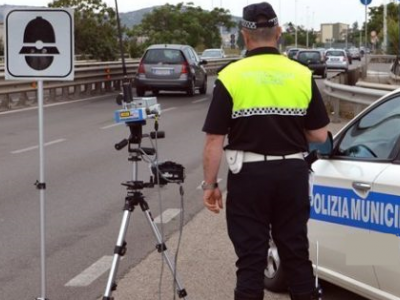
{"points": [[385, 28], [295, 20], [366, 28], [307, 21]]}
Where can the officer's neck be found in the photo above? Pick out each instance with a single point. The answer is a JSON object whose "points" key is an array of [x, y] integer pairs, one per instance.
{"points": [[260, 44]]}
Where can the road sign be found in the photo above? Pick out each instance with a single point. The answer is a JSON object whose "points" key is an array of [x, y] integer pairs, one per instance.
{"points": [[366, 2], [39, 44]]}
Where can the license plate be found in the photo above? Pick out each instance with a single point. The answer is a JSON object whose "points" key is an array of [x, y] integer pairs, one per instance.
{"points": [[334, 59], [162, 71]]}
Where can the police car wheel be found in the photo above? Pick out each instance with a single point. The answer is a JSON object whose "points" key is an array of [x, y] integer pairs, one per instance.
{"points": [[274, 279]]}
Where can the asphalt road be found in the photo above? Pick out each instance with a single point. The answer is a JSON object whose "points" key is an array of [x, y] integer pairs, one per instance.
{"points": [[84, 196]]}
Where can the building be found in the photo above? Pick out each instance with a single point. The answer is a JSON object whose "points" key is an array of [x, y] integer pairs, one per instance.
{"points": [[331, 33]]}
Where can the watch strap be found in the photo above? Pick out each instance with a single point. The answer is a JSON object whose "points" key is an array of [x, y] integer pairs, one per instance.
{"points": [[208, 186]]}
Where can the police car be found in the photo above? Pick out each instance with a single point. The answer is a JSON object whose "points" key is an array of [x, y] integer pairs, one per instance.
{"points": [[355, 207]]}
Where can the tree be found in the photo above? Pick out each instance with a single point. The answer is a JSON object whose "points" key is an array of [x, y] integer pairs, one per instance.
{"points": [[183, 24], [376, 23], [95, 28]]}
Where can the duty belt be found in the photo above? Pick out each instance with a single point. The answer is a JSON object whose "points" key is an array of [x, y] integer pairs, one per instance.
{"points": [[254, 157]]}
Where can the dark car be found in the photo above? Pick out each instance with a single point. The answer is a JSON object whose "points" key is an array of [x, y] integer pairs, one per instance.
{"points": [[314, 60], [169, 67]]}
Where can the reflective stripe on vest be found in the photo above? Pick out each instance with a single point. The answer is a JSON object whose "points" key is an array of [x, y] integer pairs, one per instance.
{"points": [[267, 85]]}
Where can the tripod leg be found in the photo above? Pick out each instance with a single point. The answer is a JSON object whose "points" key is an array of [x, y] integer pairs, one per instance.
{"points": [[161, 247], [119, 251]]}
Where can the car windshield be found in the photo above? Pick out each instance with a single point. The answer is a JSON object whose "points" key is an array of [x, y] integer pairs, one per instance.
{"points": [[212, 53], [335, 53], [166, 56], [309, 56]]}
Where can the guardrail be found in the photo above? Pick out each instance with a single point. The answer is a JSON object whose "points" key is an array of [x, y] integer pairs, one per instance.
{"points": [[101, 77], [90, 78], [340, 93]]}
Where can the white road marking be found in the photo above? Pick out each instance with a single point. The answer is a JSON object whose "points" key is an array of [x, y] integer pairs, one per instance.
{"points": [[200, 100], [49, 105], [112, 125], [36, 147], [168, 109], [122, 123], [92, 273], [167, 215]]}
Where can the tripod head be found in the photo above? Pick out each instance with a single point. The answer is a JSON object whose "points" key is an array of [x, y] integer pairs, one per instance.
{"points": [[162, 173]]}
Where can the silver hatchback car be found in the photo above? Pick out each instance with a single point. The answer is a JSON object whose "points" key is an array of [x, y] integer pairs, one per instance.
{"points": [[336, 59], [170, 67]]}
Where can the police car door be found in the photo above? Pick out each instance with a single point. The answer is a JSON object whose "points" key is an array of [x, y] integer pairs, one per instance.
{"points": [[350, 201]]}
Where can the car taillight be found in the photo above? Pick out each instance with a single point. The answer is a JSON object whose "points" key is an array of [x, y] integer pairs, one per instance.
{"points": [[141, 68], [185, 68], [344, 58]]}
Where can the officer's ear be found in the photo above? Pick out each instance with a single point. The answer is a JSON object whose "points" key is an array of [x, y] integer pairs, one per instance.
{"points": [[278, 33], [245, 37]]}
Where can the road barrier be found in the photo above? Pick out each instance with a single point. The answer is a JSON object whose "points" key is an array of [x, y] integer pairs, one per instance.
{"points": [[100, 77], [345, 98], [90, 78]]}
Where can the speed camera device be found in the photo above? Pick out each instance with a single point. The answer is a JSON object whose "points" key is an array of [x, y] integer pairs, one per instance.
{"points": [[139, 109]]}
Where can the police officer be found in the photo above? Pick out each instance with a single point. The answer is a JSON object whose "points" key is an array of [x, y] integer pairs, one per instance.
{"points": [[270, 108]]}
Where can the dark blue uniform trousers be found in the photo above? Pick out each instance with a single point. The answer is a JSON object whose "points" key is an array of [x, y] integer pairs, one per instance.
{"points": [[264, 196]]}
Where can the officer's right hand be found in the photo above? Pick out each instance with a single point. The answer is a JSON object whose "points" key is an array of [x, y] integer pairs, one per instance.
{"points": [[213, 200]]}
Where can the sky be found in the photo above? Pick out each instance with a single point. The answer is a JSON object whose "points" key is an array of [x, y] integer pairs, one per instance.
{"points": [[309, 13]]}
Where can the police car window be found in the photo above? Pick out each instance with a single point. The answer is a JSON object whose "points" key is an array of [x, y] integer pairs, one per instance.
{"points": [[375, 135]]}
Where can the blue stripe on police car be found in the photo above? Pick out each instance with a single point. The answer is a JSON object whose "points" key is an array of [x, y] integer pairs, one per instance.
{"points": [[378, 212]]}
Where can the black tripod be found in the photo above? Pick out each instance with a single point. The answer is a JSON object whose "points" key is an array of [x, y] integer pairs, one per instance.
{"points": [[135, 197]]}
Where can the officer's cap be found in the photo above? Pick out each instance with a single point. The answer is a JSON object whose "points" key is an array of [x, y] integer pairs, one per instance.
{"points": [[252, 12]]}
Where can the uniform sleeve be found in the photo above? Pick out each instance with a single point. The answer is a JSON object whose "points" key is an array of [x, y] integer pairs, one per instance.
{"points": [[317, 116], [219, 114]]}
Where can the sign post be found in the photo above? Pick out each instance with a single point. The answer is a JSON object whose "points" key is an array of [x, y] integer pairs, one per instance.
{"points": [[366, 3], [39, 45]]}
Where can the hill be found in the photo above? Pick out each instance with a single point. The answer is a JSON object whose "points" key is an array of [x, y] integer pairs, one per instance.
{"points": [[128, 19]]}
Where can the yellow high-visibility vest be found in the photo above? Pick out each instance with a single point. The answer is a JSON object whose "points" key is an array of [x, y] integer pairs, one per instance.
{"points": [[269, 84]]}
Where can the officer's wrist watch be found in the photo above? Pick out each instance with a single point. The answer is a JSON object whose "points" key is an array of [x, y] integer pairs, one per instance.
{"points": [[208, 186]]}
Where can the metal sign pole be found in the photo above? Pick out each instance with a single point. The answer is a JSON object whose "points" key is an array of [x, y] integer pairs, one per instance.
{"points": [[41, 185], [48, 63]]}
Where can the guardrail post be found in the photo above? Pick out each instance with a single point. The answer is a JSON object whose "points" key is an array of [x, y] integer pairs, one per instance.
{"points": [[52, 94], [22, 99], [5, 102], [65, 93], [107, 86], [117, 85], [77, 90], [336, 110], [98, 87], [88, 89]]}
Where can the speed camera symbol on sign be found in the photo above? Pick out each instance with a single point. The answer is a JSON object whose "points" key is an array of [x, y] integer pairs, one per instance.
{"points": [[39, 44]]}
